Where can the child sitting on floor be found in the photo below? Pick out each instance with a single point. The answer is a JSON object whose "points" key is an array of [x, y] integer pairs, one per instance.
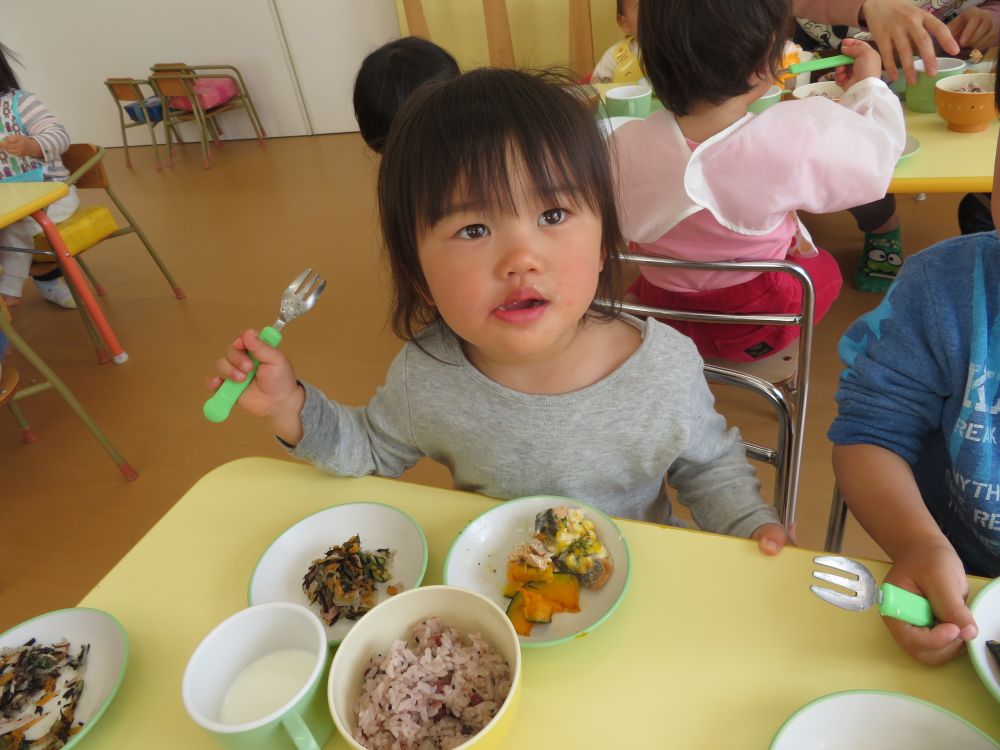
{"points": [[499, 219], [705, 180], [620, 64]]}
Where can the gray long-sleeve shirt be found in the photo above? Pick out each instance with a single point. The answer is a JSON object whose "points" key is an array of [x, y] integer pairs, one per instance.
{"points": [[609, 444]]}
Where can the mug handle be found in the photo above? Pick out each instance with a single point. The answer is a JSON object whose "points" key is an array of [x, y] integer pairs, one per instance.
{"points": [[298, 731]]}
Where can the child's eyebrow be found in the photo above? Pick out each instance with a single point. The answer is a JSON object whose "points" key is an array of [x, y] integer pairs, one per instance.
{"points": [[560, 191]]}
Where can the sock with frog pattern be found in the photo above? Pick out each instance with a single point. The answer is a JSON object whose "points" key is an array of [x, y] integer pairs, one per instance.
{"points": [[881, 258]]}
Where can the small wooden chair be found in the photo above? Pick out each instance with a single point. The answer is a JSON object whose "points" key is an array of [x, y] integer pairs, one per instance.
{"points": [[11, 393], [127, 91], [179, 80], [498, 39]]}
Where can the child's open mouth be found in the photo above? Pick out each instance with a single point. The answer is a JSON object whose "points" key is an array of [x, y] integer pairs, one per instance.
{"points": [[521, 307], [523, 304]]}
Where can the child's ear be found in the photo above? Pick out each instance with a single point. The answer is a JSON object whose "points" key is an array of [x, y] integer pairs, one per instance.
{"points": [[623, 24]]}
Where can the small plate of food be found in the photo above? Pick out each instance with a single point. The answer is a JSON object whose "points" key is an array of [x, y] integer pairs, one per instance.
{"points": [[984, 649], [341, 562], [558, 567], [59, 672]]}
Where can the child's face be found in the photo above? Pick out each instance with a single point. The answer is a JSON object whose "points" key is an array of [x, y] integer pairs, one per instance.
{"points": [[629, 19], [513, 287]]}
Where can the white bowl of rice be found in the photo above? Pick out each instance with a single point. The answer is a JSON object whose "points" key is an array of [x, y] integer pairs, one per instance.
{"points": [[436, 666]]}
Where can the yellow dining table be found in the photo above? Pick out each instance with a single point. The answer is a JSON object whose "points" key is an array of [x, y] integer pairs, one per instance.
{"points": [[19, 200], [713, 646]]}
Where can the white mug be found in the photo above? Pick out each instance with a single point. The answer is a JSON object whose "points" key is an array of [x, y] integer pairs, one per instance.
{"points": [[217, 675]]}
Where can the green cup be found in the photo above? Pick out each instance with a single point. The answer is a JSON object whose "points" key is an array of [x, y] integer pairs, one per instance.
{"points": [[920, 96], [628, 101], [241, 688], [771, 97]]}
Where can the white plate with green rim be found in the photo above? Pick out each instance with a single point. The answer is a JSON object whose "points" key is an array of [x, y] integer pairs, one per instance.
{"points": [[876, 720], [278, 574], [477, 561], [986, 609], [103, 669]]}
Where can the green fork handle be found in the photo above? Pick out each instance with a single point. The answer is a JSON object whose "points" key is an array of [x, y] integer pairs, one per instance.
{"points": [[821, 63], [906, 606], [217, 408]]}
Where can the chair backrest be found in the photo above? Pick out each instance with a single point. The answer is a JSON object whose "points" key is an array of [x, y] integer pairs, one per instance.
{"points": [[77, 156], [174, 82], [498, 38], [126, 89], [786, 457]]}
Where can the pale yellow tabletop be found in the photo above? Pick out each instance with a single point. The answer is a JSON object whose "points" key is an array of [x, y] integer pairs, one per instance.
{"points": [[947, 162], [20, 199], [713, 646]]}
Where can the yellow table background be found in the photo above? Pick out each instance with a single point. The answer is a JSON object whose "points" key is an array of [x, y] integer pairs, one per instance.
{"points": [[20, 199], [714, 645]]}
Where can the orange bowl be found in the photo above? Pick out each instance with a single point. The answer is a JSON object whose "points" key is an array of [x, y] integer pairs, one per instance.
{"points": [[966, 111]]}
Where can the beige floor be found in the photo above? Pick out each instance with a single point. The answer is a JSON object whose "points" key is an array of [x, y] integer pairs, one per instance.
{"points": [[234, 236]]}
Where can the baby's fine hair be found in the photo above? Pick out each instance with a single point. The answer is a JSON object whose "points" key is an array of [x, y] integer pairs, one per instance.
{"points": [[388, 76], [8, 80], [707, 50], [468, 137]]}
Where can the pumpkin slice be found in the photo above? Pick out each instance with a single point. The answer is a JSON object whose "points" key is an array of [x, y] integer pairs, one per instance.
{"points": [[563, 591], [515, 611]]}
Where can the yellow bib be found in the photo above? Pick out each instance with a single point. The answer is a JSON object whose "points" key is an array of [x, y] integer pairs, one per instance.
{"points": [[627, 68]]}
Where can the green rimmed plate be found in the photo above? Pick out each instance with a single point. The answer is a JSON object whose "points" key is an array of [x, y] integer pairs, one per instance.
{"points": [[106, 661], [278, 574], [874, 720], [986, 609], [477, 561]]}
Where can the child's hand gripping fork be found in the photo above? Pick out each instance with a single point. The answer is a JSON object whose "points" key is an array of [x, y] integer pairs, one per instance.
{"points": [[892, 601], [298, 298]]}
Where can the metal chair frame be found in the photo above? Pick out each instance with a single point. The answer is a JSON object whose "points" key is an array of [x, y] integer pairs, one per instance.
{"points": [[51, 381], [789, 406], [130, 90], [178, 79]]}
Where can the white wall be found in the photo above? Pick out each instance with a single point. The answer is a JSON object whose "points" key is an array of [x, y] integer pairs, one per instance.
{"points": [[68, 48], [327, 40]]}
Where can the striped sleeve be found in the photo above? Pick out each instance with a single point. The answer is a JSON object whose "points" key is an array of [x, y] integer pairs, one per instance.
{"points": [[40, 124]]}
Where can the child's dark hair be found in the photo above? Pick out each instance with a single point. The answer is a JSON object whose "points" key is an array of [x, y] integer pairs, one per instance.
{"points": [[620, 7], [708, 50], [8, 81], [388, 76], [472, 134]]}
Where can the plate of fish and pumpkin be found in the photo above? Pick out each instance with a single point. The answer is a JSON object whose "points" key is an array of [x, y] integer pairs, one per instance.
{"points": [[984, 649], [558, 567]]}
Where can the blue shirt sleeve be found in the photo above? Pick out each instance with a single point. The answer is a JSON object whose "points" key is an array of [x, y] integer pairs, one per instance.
{"points": [[896, 378]]}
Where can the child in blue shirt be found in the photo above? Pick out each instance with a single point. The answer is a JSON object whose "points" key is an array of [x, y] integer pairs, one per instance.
{"points": [[916, 453]]}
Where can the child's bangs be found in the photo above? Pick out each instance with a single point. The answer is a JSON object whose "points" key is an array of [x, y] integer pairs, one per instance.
{"points": [[527, 140]]}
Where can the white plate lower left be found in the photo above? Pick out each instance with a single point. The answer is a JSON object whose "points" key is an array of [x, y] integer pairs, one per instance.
{"points": [[278, 574], [106, 661]]}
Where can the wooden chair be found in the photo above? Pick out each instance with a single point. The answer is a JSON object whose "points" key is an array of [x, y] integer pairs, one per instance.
{"points": [[11, 393], [788, 403], [498, 39], [179, 80], [127, 91]]}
